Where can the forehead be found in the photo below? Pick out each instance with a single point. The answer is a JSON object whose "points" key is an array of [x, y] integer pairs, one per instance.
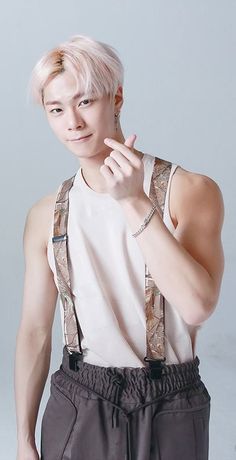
{"points": [[62, 88]]}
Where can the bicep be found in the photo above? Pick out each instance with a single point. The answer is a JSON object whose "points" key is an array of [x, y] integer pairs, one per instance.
{"points": [[39, 291], [199, 228]]}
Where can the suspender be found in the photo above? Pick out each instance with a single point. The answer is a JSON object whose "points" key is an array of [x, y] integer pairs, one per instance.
{"points": [[154, 301]]}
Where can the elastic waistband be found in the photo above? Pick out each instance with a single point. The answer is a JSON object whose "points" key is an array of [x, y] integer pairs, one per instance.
{"points": [[136, 382]]}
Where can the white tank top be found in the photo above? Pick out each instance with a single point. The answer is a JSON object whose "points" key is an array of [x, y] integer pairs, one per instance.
{"points": [[107, 272]]}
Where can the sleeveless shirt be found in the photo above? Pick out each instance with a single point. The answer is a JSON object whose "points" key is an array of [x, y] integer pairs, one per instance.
{"points": [[107, 273]]}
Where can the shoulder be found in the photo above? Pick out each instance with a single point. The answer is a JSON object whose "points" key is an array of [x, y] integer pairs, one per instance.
{"points": [[39, 218], [194, 193], [44, 206]]}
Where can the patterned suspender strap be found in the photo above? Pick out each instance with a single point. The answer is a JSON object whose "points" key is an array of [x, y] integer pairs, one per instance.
{"points": [[154, 300], [60, 248]]}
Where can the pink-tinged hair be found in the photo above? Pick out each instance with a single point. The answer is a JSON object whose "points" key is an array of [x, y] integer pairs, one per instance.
{"points": [[95, 65]]}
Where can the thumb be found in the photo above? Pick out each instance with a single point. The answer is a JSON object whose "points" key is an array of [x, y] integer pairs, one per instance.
{"points": [[129, 142]]}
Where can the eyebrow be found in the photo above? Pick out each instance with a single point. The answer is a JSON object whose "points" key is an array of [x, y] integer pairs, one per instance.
{"points": [[58, 102]]}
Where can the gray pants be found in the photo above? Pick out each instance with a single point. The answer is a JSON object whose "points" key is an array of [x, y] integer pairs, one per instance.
{"points": [[111, 413]]}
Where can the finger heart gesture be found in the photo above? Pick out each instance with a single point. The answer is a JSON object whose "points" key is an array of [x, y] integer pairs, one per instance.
{"points": [[123, 170]]}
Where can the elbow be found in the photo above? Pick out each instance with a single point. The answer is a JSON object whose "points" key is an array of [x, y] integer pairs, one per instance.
{"points": [[200, 312]]}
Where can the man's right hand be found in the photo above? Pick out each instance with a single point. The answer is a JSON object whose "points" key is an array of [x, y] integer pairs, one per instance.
{"points": [[27, 453]]}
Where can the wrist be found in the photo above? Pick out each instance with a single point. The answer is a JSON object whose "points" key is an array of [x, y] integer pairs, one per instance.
{"points": [[26, 439], [138, 212], [136, 202]]}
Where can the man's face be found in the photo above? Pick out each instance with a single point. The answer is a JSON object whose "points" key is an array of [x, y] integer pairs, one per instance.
{"points": [[74, 116]]}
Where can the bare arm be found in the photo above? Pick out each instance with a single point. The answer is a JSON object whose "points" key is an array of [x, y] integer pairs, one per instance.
{"points": [[33, 344], [188, 265]]}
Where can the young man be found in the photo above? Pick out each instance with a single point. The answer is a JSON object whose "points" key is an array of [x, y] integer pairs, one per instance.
{"points": [[132, 243]]}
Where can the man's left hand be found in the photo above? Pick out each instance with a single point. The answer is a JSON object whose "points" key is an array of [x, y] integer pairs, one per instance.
{"points": [[123, 170]]}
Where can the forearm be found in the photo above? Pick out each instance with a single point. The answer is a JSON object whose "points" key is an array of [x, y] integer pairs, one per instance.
{"points": [[179, 277], [32, 362]]}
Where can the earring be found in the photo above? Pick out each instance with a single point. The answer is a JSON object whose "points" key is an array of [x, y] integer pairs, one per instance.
{"points": [[117, 115]]}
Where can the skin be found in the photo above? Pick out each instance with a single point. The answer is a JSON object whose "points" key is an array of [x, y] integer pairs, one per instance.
{"points": [[79, 118], [190, 263]]}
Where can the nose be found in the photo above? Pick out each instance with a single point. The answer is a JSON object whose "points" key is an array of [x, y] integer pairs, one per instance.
{"points": [[74, 120]]}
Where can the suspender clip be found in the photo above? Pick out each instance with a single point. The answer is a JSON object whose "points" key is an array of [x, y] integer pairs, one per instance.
{"points": [[155, 367], [74, 357], [57, 238]]}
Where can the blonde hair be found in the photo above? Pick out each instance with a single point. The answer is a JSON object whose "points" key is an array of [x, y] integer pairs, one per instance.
{"points": [[95, 65]]}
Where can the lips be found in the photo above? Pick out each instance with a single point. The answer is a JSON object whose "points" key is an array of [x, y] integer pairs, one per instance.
{"points": [[79, 138]]}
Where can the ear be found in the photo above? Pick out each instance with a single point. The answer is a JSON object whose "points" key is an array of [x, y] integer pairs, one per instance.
{"points": [[118, 100]]}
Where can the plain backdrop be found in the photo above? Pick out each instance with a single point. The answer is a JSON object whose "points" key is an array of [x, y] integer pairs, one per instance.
{"points": [[179, 59]]}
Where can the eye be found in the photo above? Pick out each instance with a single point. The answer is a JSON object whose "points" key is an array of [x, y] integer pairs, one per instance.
{"points": [[52, 111], [86, 100]]}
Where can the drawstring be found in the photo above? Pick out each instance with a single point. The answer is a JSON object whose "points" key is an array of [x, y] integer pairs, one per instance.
{"points": [[118, 381], [115, 410], [128, 438]]}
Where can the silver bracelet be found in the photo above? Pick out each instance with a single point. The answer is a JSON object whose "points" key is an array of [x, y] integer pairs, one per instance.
{"points": [[146, 220]]}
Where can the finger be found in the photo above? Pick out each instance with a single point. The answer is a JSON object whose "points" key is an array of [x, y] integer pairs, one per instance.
{"points": [[119, 158], [114, 166], [129, 142], [124, 149], [106, 172]]}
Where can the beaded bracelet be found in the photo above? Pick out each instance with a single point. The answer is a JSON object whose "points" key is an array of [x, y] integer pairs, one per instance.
{"points": [[146, 220]]}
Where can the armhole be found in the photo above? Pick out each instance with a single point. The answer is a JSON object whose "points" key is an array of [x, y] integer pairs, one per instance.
{"points": [[167, 215]]}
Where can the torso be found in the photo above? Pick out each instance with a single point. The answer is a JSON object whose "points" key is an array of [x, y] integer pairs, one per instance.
{"points": [[179, 179]]}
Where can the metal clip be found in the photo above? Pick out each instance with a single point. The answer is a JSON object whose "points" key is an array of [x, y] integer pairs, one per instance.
{"points": [[155, 366], [55, 239], [74, 357]]}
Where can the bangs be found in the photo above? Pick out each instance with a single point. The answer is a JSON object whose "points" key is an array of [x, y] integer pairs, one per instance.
{"points": [[95, 66]]}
